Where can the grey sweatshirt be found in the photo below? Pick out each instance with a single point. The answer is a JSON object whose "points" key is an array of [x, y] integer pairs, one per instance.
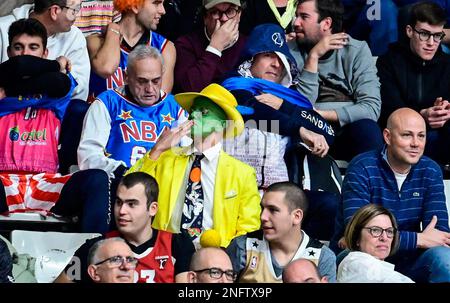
{"points": [[351, 70]]}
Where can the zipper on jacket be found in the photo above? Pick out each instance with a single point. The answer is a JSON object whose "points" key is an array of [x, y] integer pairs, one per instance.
{"points": [[420, 83]]}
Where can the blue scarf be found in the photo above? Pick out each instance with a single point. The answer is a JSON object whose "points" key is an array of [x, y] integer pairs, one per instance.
{"points": [[261, 86]]}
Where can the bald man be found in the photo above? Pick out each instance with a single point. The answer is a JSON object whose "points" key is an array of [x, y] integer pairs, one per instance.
{"points": [[211, 265], [410, 185], [302, 271]]}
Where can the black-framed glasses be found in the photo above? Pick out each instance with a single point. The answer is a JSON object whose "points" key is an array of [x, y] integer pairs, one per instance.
{"points": [[376, 231], [74, 11], [217, 273], [117, 261], [425, 36], [230, 13]]}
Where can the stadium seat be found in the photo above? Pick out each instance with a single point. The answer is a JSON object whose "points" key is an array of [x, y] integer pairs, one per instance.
{"points": [[447, 196], [36, 222], [52, 250]]}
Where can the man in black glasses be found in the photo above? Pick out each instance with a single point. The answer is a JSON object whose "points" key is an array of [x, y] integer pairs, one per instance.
{"points": [[111, 261], [416, 74], [211, 265], [210, 52]]}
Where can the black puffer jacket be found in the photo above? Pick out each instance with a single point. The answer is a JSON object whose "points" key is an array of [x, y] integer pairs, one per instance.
{"points": [[408, 81]]}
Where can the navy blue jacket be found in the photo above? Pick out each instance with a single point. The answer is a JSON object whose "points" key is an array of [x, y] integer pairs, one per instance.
{"points": [[369, 179]]}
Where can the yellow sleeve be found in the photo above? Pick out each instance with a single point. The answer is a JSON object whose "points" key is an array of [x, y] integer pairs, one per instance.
{"points": [[249, 206], [145, 164]]}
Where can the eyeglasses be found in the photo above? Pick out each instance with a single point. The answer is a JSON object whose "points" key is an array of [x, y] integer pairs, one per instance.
{"points": [[230, 13], [117, 261], [425, 36], [376, 231], [217, 273], [75, 11]]}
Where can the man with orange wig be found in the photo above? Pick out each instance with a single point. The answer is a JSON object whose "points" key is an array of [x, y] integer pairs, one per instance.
{"points": [[109, 51]]}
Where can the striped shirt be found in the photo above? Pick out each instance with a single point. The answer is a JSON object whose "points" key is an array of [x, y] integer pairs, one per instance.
{"points": [[95, 15], [370, 179]]}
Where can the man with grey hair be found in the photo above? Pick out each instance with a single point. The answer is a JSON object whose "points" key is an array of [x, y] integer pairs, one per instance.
{"points": [[64, 39], [111, 261], [123, 123]]}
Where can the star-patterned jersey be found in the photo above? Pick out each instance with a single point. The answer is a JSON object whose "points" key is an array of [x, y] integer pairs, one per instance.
{"points": [[259, 267], [97, 84], [134, 128]]}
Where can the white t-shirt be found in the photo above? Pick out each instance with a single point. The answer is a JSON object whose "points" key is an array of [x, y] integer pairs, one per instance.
{"points": [[400, 179]]}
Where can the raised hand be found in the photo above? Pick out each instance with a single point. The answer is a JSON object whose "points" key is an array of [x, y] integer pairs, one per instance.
{"points": [[335, 41], [438, 114], [115, 28], [290, 36], [65, 64], [225, 34], [327, 43], [170, 138]]}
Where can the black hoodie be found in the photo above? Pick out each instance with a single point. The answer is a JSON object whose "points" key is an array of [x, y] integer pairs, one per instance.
{"points": [[408, 81]]}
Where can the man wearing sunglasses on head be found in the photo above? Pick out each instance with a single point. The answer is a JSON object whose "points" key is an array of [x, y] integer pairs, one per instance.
{"points": [[416, 74]]}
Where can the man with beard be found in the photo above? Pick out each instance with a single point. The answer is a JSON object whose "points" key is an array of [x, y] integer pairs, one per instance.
{"points": [[349, 90]]}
